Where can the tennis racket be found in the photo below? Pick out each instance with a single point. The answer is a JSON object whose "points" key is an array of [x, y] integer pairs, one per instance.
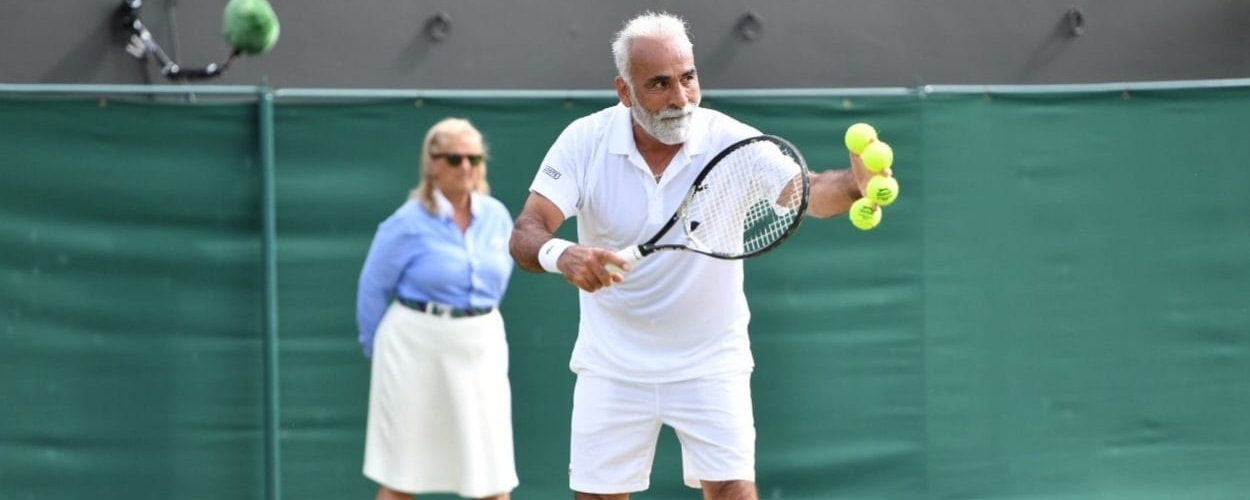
{"points": [[747, 200]]}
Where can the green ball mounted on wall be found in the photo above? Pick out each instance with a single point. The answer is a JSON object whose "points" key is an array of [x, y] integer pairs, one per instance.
{"points": [[250, 26]]}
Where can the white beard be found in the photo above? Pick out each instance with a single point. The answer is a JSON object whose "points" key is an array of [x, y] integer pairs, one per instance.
{"points": [[669, 126]]}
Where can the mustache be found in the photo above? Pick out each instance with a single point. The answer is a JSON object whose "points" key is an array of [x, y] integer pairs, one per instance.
{"points": [[675, 112]]}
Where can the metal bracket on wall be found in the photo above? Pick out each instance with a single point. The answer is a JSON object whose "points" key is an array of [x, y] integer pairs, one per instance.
{"points": [[1075, 21], [438, 26], [749, 25]]}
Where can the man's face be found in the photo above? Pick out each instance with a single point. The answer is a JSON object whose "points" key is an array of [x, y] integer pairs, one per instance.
{"points": [[663, 90]]}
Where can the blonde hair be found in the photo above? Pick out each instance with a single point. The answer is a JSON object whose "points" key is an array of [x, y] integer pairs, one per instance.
{"points": [[435, 140], [647, 25]]}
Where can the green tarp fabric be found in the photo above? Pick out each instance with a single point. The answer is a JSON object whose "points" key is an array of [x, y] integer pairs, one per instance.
{"points": [[1057, 307]]}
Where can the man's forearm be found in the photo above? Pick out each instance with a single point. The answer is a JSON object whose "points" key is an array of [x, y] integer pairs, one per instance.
{"points": [[528, 235]]}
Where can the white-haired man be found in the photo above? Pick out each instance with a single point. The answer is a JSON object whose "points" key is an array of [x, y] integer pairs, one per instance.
{"points": [[668, 345]]}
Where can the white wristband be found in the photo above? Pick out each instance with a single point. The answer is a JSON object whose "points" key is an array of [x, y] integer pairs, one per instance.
{"points": [[550, 252]]}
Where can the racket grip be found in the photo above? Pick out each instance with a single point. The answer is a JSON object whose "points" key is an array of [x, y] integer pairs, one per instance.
{"points": [[630, 255]]}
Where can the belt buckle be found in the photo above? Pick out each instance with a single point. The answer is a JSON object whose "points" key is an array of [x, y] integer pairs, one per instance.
{"points": [[440, 310]]}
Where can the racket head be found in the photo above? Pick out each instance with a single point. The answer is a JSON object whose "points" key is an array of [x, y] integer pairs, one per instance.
{"points": [[746, 201]]}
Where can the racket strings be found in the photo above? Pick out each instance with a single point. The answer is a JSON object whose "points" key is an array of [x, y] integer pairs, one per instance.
{"points": [[748, 202]]}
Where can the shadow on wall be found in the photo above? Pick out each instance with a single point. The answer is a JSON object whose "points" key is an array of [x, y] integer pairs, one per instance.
{"points": [[418, 48], [1069, 27], [747, 29]]}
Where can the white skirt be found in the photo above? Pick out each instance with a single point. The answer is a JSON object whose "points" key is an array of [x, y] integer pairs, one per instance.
{"points": [[440, 405]]}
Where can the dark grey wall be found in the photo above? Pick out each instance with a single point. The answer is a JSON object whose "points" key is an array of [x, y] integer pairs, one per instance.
{"points": [[563, 44]]}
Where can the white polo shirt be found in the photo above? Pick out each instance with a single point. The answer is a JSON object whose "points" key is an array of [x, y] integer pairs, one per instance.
{"points": [[678, 315]]}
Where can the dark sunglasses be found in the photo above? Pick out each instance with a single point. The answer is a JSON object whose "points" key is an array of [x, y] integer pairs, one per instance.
{"points": [[456, 158]]}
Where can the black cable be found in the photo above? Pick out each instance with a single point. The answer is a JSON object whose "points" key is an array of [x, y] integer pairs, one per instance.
{"points": [[143, 44]]}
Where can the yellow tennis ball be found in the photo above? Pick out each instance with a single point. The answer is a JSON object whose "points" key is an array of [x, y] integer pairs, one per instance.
{"points": [[865, 214], [858, 136], [877, 157], [881, 190]]}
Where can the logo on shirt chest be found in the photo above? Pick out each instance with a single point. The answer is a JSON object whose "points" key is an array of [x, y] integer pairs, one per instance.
{"points": [[551, 171]]}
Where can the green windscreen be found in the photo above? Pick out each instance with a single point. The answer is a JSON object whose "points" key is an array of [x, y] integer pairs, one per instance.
{"points": [[1057, 306]]}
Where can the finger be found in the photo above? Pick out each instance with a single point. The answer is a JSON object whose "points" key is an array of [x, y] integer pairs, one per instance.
{"points": [[593, 275], [857, 162], [616, 265], [605, 276], [589, 285], [582, 268], [616, 274], [578, 283]]}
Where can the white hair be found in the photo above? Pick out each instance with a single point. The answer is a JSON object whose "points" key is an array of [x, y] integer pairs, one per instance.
{"points": [[647, 25]]}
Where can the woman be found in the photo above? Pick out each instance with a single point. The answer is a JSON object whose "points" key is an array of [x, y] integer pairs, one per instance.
{"points": [[440, 405]]}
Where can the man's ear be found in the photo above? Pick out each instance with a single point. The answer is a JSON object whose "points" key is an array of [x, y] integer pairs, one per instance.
{"points": [[622, 92]]}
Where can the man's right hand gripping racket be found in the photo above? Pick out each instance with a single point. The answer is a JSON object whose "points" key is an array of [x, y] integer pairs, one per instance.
{"points": [[747, 200]]}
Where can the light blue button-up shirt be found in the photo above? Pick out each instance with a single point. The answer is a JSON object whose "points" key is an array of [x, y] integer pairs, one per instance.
{"points": [[421, 256]]}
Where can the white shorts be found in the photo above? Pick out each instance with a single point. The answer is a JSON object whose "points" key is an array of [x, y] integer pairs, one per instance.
{"points": [[616, 425]]}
